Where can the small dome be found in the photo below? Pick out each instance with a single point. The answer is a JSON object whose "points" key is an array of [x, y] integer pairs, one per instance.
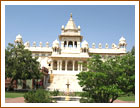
{"points": [[56, 43], [18, 39], [18, 36], [84, 44], [79, 27], [93, 43], [122, 39], [62, 27]]}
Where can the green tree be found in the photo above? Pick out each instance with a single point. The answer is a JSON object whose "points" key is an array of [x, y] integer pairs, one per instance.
{"points": [[133, 50], [19, 63], [107, 79], [127, 78]]}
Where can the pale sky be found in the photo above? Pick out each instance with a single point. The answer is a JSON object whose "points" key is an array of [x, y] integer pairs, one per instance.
{"points": [[99, 24]]}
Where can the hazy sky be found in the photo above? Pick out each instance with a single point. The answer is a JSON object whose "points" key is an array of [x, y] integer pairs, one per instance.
{"points": [[99, 24]]}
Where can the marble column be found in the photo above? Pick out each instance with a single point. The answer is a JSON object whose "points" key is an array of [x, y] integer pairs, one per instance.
{"points": [[57, 65], [67, 43], [66, 65], [78, 67], [73, 65], [61, 65], [73, 44]]}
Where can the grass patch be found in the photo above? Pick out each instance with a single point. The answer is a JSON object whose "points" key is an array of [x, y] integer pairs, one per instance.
{"points": [[14, 94], [127, 98]]}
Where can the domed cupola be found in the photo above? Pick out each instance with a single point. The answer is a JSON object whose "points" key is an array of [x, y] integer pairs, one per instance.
{"points": [[18, 39], [85, 46], [56, 43], [55, 46], [122, 42]]}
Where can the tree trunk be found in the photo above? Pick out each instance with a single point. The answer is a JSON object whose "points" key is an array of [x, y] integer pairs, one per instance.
{"points": [[24, 84], [16, 83], [10, 87], [114, 98]]}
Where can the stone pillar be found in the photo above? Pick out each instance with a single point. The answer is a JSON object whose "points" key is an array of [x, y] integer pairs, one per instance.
{"points": [[57, 65], [61, 65], [73, 44], [67, 43], [78, 67], [62, 44], [78, 44], [73, 65], [66, 65]]}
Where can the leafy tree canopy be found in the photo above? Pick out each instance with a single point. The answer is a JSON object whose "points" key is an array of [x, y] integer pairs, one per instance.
{"points": [[19, 63], [108, 79]]}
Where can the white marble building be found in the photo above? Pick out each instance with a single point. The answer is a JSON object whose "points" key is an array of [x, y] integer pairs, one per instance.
{"points": [[63, 57]]}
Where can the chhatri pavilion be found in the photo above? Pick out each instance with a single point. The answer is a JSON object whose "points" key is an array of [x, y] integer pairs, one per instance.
{"points": [[65, 57]]}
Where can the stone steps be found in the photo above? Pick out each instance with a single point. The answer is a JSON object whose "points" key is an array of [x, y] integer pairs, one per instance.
{"points": [[60, 81]]}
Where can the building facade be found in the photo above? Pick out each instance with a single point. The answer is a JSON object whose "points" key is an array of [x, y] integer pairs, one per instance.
{"points": [[65, 57]]}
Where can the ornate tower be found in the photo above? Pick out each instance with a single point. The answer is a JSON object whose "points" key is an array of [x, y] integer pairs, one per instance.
{"points": [[85, 47], [70, 35], [122, 43], [55, 47], [18, 39]]}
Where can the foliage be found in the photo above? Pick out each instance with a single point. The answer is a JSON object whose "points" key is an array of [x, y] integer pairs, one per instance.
{"points": [[38, 96], [133, 50], [107, 79], [19, 63], [55, 92]]}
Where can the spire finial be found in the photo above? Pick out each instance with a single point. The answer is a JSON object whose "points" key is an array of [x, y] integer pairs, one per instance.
{"points": [[71, 15]]}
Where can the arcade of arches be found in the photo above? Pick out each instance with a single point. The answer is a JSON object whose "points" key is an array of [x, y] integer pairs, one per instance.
{"points": [[70, 44], [68, 65]]}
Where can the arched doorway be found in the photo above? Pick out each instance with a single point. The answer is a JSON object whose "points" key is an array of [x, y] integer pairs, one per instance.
{"points": [[70, 44], [75, 44], [76, 66], [54, 65], [69, 65], [65, 43], [63, 65]]}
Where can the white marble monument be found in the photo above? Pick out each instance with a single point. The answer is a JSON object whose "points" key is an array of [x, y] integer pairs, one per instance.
{"points": [[63, 57]]}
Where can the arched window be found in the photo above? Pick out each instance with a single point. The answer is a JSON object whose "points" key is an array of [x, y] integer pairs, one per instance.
{"points": [[55, 50], [70, 44], [65, 43], [75, 44], [84, 49]]}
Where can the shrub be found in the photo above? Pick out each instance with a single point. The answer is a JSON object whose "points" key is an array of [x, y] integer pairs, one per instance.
{"points": [[38, 96], [55, 92]]}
